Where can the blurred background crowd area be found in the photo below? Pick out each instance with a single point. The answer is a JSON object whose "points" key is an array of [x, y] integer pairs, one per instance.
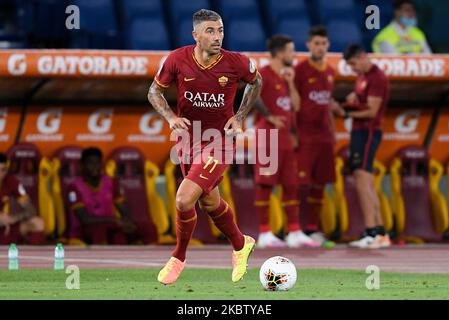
{"points": [[165, 25]]}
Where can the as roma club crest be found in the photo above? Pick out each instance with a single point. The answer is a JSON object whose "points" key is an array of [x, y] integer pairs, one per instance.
{"points": [[223, 81]]}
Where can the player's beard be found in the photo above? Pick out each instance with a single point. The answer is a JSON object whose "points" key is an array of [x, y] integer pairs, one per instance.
{"points": [[214, 50], [317, 58]]}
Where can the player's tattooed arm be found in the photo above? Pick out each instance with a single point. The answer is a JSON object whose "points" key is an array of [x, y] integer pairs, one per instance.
{"points": [[252, 91], [160, 104]]}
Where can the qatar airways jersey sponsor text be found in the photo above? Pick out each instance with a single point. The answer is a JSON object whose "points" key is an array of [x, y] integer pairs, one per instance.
{"points": [[320, 97], [205, 99]]}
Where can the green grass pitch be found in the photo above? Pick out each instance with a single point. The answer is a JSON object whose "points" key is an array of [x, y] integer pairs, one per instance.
{"points": [[215, 284]]}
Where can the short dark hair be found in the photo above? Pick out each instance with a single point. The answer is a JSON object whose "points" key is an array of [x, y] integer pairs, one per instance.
{"points": [[205, 15], [3, 158], [397, 4], [353, 50], [89, 152], [277, 43], [318, 30]]}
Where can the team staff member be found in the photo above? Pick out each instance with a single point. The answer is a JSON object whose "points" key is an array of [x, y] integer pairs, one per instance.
{"points": [[370, 99], [402, 35]]}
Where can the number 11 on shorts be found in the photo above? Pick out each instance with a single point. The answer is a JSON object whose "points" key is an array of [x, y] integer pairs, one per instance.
{"points": [[209, 162]]}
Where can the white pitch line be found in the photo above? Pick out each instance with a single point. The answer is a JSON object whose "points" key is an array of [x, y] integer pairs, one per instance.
{"points": [[118, 262]]}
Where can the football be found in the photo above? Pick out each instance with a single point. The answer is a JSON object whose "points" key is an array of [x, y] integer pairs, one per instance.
{"points": [[278, 274]]}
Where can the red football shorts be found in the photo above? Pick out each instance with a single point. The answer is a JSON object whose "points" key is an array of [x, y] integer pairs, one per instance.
{"points": [[206, 169], [285, 173], [316, 163]]}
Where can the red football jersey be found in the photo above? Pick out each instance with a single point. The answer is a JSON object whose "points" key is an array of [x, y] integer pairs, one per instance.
{"points": [[10, 188], [206, 93], [276, 96], [376, 84], [315, 88]]}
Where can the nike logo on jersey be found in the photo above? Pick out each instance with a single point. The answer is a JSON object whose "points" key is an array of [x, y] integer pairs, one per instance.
{"points": [[188, 79], [203, 177]]}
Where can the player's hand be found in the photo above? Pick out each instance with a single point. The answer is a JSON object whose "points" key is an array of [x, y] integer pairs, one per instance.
{"points": [[277, 121], [352, 98], [179, 123], [337, 109], [233, 127], [288, 73]]}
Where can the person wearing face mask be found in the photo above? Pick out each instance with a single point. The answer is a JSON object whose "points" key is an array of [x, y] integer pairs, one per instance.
{"points": [[402, 35]]}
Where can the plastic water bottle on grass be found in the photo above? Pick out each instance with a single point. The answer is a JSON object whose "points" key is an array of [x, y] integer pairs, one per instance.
{"points": [[13, 257], [59, 257]]}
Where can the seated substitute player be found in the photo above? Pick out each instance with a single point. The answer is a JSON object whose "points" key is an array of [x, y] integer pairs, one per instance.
{"points": [[17, 227], [92, 197], [207, 78], [278, 99], [369, 99], [315, 80]]}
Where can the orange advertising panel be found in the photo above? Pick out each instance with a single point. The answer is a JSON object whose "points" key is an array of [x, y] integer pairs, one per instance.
{"points": [[9, 123], [439, 148], [105, 127], [401, 127], [141, 64]]}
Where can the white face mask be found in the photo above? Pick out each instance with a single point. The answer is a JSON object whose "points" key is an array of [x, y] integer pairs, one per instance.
{"points": [[408, 22]]}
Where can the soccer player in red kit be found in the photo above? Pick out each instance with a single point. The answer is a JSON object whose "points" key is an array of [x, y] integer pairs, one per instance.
{"points": [[21, 226], [207, 78], [369, 99], [314, 80], [278, 99]]}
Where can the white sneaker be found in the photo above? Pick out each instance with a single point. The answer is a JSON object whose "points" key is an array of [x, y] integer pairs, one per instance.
{"points": [[298, 239], [269, 240], [380, 242], [362, 243]]}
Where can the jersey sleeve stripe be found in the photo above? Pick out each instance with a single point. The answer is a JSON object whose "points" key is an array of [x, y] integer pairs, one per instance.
{"points": [[161, 84], [255, 76]]}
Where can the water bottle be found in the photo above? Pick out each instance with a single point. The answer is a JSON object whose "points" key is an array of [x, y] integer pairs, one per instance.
{"points": [[59, 257], [13, 257]]}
